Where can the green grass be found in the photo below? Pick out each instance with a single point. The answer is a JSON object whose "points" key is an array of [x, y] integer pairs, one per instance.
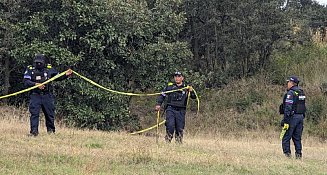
{"points": [[72, 151]]}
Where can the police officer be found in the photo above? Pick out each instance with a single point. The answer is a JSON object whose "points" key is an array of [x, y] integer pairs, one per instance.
{"points": [[41, 97], [294, 109], [175, 107]]}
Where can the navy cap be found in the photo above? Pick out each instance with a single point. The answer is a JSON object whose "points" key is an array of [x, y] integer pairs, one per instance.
{"points": [[293, 79], [39, 58], [178, 73]]}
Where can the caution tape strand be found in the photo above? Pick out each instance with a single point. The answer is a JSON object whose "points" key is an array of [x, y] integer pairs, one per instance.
{"points": [[36, 86], [124, 93], [150, 128], [113, 91], [134, 94], [97, 85]]}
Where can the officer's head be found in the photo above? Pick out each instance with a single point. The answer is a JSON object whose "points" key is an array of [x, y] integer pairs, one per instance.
{"points": [[39, 61], [178, 76], [292, 81]]}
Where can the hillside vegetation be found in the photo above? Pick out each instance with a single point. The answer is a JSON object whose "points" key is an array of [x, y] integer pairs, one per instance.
{"points": [[135, 46], [237, 55], [235, 132], [251, 104]]}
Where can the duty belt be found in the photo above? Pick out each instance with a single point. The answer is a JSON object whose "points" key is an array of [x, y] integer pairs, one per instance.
{"points": [[41, 93], [177, 108]]}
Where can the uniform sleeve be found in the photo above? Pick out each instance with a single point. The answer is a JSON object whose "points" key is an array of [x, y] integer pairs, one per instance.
{"points": [[288, 109], [192, 95], [162, 97], [53, 72], [28, 78]]}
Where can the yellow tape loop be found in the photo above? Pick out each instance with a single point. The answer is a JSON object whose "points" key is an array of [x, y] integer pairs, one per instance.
{"points": [[134, 94], [124, 93], [113, 91], [148, 129]]}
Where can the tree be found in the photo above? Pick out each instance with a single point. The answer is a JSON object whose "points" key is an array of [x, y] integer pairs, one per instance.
{"points": [[116, 43], [11, 13], [234, 38]]}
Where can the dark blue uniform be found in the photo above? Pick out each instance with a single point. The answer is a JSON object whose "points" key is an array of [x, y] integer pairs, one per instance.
{"points": [[175, 110], [41, 99], [294, 111]]}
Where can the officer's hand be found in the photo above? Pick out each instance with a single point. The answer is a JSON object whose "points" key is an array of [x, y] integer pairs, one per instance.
{"points": [[190, 88], [282, 123], [69, 72], [286, 126], [41, 86], [157, 108]]}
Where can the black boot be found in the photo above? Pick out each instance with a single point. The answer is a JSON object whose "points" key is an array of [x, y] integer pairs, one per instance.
{"points": [[168, 138], [33, 134], [179, 139], [288, 155], [298, 156], [51, 132]]}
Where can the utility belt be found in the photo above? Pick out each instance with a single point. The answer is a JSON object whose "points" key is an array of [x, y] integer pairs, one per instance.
{"points": [[298, 113], [40, 93], [299, 110], [176, 108]]}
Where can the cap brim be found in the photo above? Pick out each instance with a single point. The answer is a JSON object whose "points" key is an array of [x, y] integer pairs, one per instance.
{"points": [[39, 61]]}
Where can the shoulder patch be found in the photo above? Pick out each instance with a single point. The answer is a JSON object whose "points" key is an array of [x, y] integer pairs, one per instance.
{"points": [[49, 66], [30, 67], [170, 83]]}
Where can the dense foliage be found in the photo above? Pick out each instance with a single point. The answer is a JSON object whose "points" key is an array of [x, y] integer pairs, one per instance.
{"points": [[134, 46]]}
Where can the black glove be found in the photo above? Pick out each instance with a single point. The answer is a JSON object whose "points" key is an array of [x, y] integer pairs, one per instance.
{"points": [[282, 122], [281, 108]]}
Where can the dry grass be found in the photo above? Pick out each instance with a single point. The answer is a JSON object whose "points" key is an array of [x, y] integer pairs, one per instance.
{"points": [[72, 151]]}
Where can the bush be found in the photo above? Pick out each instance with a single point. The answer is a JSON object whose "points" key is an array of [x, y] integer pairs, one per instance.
{"points": [[316, 109]]}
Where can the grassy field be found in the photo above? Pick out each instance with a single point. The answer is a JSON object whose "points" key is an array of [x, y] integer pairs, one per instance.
{"points": [[72, 151]]}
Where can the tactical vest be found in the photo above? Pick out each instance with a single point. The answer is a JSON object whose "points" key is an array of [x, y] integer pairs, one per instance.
{"points": [[299, 103], [177, 98], [40, 76]]}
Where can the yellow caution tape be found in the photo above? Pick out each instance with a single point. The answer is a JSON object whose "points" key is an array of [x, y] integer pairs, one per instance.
{"points": [[134, 94], [148, 129], [282, 134], [198, 100], [188, 99], [158, 118], [92, 82], [36, 86], [155, 126], [285, 128], [125, 93], [113, 91]]}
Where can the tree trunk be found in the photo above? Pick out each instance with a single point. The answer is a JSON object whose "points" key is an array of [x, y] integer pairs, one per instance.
{"points": [[6, 76], [265, 54], [221, 48], [195, 44], [207, 51], [216, 43]]}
